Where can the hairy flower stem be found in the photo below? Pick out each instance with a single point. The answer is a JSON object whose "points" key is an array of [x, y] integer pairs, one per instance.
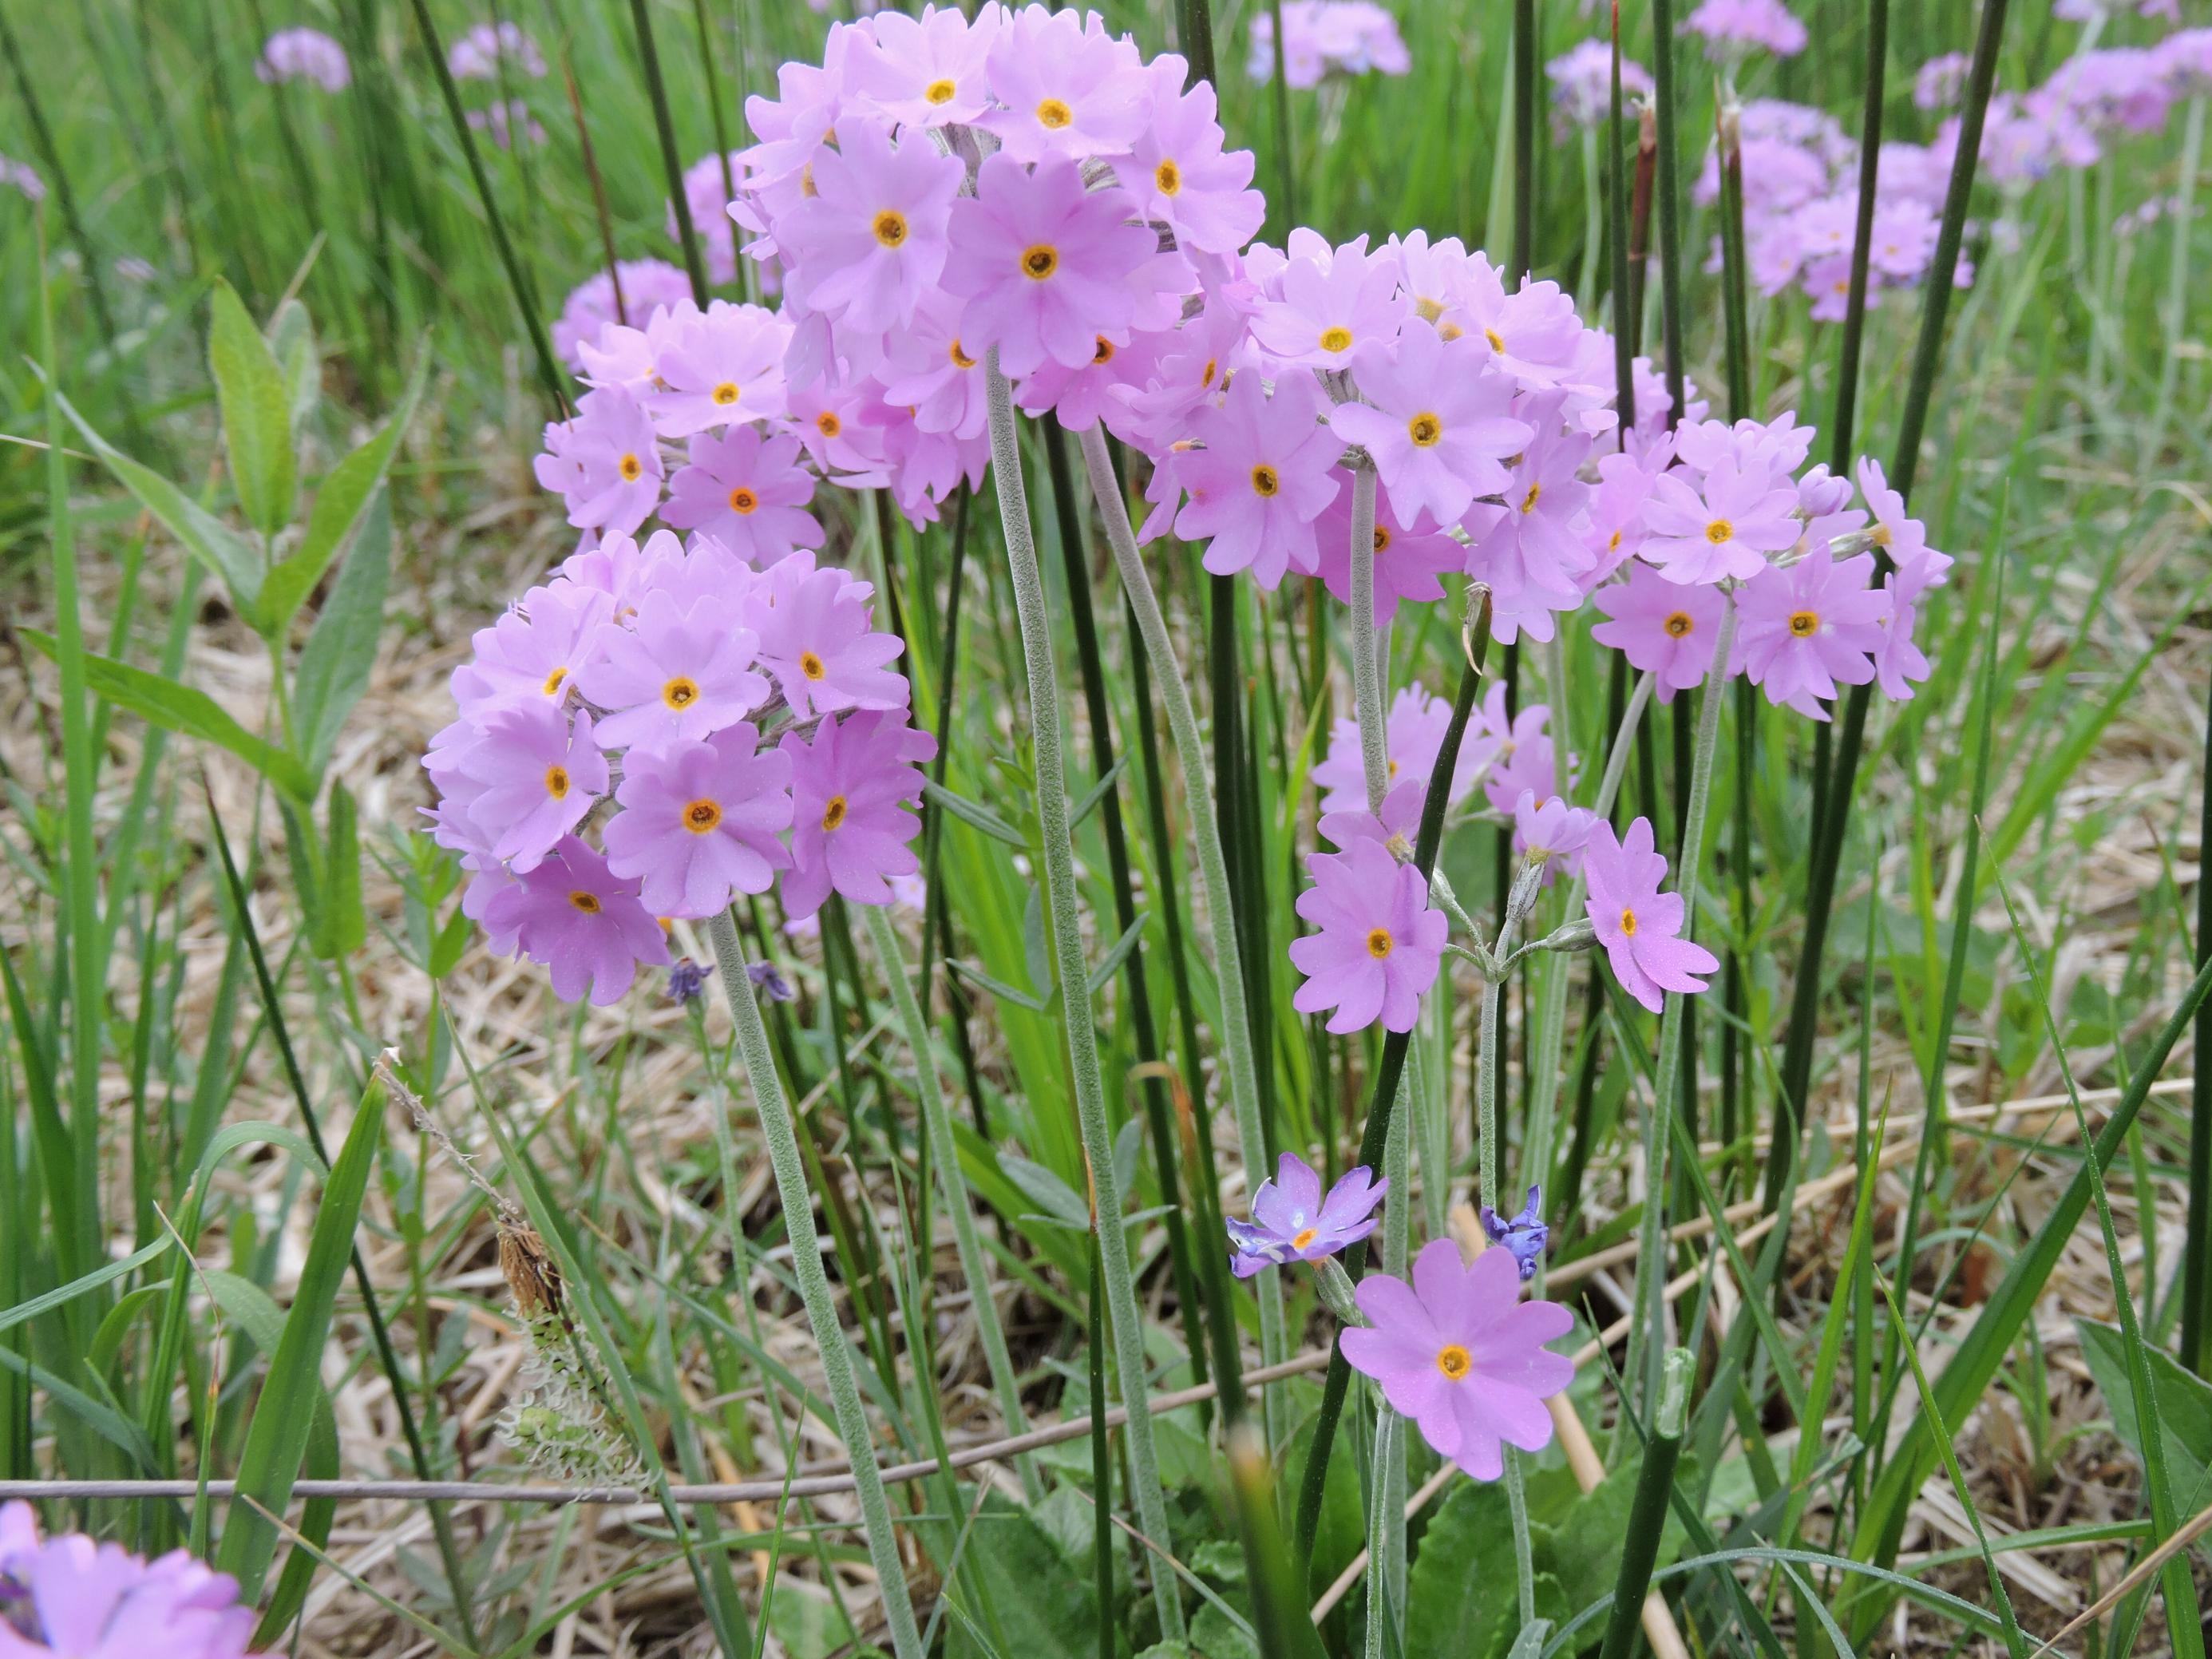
{"points": [[1235, 1034], [777, 1130], [1651, 1257], [937, 1124], [1063, 906], [1366, 662]]}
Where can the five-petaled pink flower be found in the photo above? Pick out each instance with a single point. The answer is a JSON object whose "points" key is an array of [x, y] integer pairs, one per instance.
{"points": [[815, 639], [1804, 631], [606, 463], [748, 492], [870, 240], [1380, 944], [581, 923], [678, 673], [1459, 1352], [699, 822], [1439, 427], [1639, 925], [852, 790], [1261, 481], [1743, 514], [1664, 629]]}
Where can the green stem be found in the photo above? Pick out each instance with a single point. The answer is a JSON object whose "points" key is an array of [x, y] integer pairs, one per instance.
{"points": [[1366, 658], [1669, 160], [1063, 905], [1236, 1035], [937, 1124], [1647, 1514], [1650, 1253], [663, 124], [777, 1130]]}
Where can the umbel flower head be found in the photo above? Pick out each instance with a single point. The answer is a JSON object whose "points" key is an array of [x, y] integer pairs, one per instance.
{"points": [[71, 1598], [1293, 1221]]}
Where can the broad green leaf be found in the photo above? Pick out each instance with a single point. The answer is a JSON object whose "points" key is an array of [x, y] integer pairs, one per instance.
{"points": [[256, 413], [1046, 1190], [206, 537], [2184, 1411], [345, 918], [181, 708], [335, 663], [341, 504], [1042, 1601], [1459, 1598], [276, 1439]]}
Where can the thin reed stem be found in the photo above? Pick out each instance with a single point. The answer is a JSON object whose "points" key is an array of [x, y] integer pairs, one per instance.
{"points": [[1855, 300], [663, 124], [1647, 1515], [1063, 904], [1668, 160], [778, 1133], [1366, 661]]}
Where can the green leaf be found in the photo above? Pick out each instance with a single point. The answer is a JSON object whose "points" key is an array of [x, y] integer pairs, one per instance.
{"points": [[206, 537], [1110, 964], [181, 708], [335, 664], [1041, 1602], [78, 1287], [998, 988], [345, 919], [1046, 1190], [2184, 1411], [292, 340], [341, 508], [976, 817], [1459, 1598], [1098, 791], [276, 1439], [256, 413]]}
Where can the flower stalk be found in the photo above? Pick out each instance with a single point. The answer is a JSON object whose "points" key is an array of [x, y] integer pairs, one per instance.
{"points": [[778, 1131], [1063, 906]]}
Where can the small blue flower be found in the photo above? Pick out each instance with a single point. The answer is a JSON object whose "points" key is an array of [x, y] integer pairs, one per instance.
{"points": [[1525, 1235], [1292, 1222], [774, 986], [686, 979]]}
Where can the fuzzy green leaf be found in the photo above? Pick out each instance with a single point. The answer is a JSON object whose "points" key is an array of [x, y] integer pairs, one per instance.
{"points": [[256, 413], [335, 664]]}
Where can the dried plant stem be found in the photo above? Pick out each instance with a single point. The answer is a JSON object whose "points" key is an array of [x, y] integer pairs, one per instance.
{"points": [[1650, 1258], [778, 1131], [1236, 1035], [1062, 904], [937, 1124]]}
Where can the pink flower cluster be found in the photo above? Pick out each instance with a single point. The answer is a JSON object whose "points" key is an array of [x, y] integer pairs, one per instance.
{"points": [[1582, 85], [23, 178], [644, 284], [490, 51], [304, 54], [1321, 37], [1732, 29], [70, 1595]]}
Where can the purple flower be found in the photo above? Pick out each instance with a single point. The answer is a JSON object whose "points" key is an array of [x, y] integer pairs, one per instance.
{"points": [[699, 822], [1581, 84], [1333, 305], [301, 54], [1664, 629], [477, 55], [1409, 557], [1731, 26], [71, 1597], [770, 983], [707, 195], [573, 916], [748, 492], [1413, 734], [1460, 1353], [1517, 750], [1531, 553], [815, 638], [1292, 1222], [1324, 37], [1551, 833], [1803, 630], [1380, 944], [1180, 173], [1438, 426], [1525, 1235], [537, 777], [646, 283], [606, 463], [1639, 925], [1726, 528], [686, 980], [716, 366], [508, 122], [680, 672], [853, 789], [870, 240], [1070, 91], [1261, 481], [533, 653]]}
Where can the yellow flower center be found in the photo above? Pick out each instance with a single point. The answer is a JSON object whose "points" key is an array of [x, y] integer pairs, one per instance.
{"points": [[1429, 310], [810, 664], [554, 682], [743, 501], [1628, 923], [1453, 1361], [939, 91], [1338, 338], [1529, 501], [556, 782], [680, 693], [1168, 177], [1103, 352], [1720, 530], [1678, 624], [1382, 537], [1206, 380], [1304, 1236], [1264, 480], [701, 816], [834, 813], [1804, 623], [890, 226], [726, 393], [1496, 340], [1053, 114], [1040, 261], [828, 424], [1425, 429], [1379, 943], [1449, 331], [1881, 537], [588, 903], [630, 467], [960, 358]]}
